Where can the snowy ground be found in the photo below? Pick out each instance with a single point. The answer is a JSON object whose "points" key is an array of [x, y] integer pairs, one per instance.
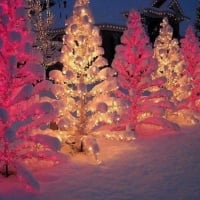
{"points": [[165, 167]]}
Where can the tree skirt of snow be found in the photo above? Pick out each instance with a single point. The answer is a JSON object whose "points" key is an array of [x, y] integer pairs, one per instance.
{"points": [[184, 117], [156, 126], [166, 167]]}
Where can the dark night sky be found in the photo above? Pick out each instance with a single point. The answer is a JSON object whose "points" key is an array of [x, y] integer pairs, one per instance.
{"points": [[109, 11], [189, 8]]}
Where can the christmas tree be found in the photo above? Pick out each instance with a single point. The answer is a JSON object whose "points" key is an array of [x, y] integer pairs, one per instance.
{"points": [[85, 87], [42, 20], [21, 105], [146, 100], [170, 63], [197, 20], [191, 52]]}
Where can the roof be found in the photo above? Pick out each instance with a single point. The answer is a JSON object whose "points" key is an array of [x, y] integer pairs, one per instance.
{"points": [[169, 8]]}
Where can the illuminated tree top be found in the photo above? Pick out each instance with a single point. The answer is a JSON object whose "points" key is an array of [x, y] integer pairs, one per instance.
{"points": [[82, 51], [81, 2]]}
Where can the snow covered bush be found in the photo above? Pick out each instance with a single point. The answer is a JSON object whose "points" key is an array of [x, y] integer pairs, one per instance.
{"points": [[21, 106], [147, 99], [85, 87]]}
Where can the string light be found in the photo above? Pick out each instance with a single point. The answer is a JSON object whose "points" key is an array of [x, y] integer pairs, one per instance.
{"points": [[42, 22]]}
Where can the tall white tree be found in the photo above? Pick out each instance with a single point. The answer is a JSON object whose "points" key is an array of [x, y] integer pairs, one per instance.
{"points": [[86, 85]]}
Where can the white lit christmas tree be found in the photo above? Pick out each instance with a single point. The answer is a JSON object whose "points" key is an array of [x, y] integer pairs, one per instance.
{"points": [[146, 99], [85, 87], [171, 63], [21, 106]]}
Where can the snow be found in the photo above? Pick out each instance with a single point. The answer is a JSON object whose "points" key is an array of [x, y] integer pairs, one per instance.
{"points": [[24, 94], [165, 167], [14, 36], [10, 135], [20, 12], [52, 142], [40, 108], [5, 19], [1, 43], [25, 176], [3, 114]]}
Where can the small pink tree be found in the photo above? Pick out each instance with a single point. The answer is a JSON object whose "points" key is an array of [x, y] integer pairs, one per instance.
{"points": [[146, 99], [21, 106], [190, 48]]}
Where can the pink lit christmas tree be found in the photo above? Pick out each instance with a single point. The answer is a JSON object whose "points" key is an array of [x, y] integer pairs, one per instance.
{"points": [[146, 99], [85, 87], [191, 51], [21, 105]]}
